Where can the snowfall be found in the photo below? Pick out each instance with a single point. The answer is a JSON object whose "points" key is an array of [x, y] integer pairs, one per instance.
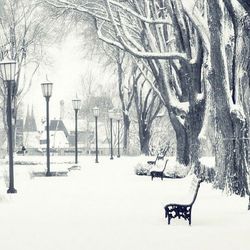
{"points": [[105, 206]]}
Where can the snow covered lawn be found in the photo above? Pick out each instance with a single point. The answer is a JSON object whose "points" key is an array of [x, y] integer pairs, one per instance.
{"points": [[106, 206]]}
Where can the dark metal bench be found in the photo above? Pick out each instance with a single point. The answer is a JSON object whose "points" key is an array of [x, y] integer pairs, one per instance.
{"points": [[156, 173], [156, 159], [174, 210]]}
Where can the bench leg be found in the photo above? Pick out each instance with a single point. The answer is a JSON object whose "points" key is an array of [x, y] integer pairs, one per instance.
{"points": [[189, 219], [169, 220], [152, 176]]}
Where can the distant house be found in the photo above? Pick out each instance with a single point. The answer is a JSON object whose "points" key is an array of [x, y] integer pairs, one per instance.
{"points": [[58, 135]]}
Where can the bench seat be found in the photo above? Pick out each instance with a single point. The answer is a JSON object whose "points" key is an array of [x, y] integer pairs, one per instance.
{"points": [[183, 208]]}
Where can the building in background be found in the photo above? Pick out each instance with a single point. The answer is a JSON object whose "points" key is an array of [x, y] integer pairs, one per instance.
{"points": [[31, 136], [58, 136]]}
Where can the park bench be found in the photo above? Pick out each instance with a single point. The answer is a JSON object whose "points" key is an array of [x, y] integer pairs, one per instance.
{"points": [[160, 155], [158, 173], [179, 210]]}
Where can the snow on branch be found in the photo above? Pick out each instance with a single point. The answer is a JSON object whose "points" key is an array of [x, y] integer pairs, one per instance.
{"points": [[94, 9], [138, 53], [197, 20], [108, 40], [149, 81], [139, 16], [128, 36]]}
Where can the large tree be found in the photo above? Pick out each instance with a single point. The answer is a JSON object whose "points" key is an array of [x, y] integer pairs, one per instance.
{"points": [[229, 80]]}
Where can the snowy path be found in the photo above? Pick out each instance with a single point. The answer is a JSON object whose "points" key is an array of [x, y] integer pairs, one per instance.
{"points": [[107, 207]]}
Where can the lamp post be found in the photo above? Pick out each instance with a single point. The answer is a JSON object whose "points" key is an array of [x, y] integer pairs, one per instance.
{"points": [[96, 114], [47, 92], [8, 71], [76, 106], [111, 116], [118, 117]]}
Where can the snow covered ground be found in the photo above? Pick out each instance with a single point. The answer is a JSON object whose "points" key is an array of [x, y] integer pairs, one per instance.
{"points": [[106, 206]]}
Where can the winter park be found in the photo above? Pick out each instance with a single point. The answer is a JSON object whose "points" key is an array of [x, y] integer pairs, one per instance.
{"points": [[124, 124]]}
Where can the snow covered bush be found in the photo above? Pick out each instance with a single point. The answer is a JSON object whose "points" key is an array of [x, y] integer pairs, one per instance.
{"points": [[142, 169], [205, 169], [175, 169]]}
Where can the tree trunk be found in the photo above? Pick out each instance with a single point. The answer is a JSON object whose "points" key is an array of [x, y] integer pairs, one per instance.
{"points": [[187, 134], [231, 123], [125, 108], [144, 137], [187, 124], [126, 126]]}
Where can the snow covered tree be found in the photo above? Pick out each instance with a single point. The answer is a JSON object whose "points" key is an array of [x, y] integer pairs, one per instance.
{"points": [[229, 85]]}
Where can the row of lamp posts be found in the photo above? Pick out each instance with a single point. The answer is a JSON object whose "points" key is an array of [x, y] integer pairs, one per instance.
{"points": [[112, 115], [8, 75], [77, 105]]}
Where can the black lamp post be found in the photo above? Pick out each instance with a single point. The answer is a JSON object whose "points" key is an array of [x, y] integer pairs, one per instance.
{"points": [[8, 71], [111, 116], [47, 92], [96, 114], [76, 106], [118, 117]]}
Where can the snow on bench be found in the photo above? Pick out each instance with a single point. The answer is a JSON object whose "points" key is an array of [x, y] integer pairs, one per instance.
{"points": [[184, 208]]}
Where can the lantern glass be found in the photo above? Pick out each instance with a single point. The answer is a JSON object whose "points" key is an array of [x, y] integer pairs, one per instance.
{"points": [[8, 70], [76, 104], [47, 89], [96, 111]]}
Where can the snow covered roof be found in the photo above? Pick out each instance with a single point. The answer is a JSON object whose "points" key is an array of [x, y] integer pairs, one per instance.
{"points": [[58, 125]]}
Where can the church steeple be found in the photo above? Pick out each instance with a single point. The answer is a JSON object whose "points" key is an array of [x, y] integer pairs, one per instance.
{"points": [[30, 122]]}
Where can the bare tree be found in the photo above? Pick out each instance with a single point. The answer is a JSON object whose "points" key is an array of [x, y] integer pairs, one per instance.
{"points": [[147, 104], [22, 34]]}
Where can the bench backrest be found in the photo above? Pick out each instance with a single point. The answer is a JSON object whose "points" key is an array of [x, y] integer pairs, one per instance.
{"points": [[162, 153], [194, 188], [165, 165]]}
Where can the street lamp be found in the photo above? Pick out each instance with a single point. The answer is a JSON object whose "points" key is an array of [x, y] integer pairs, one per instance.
{"points": [[47, 92], [118, 117], [96, 114], [111, 116], [8, 72], [76, 106]]}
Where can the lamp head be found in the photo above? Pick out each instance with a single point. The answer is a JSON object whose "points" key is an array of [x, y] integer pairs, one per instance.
{"points": [[96, 111], [47, 88], [76, 104], [8, 70], [111, 114]]}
